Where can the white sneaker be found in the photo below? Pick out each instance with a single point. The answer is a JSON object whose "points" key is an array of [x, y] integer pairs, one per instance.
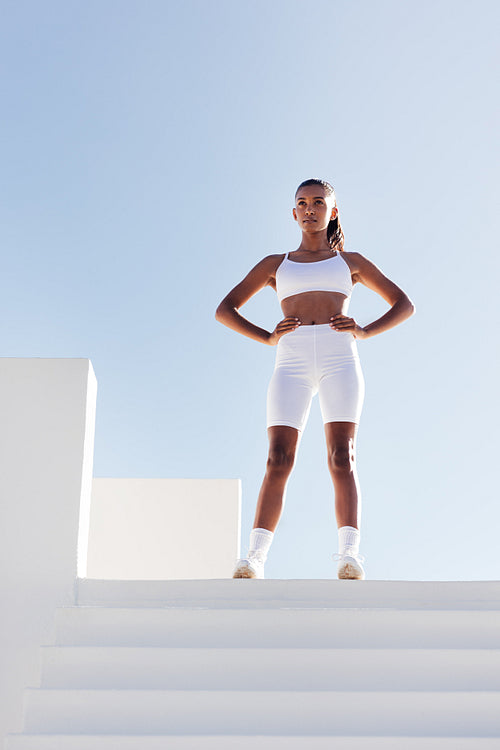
{"points": [[350, 566], [250, 567]]}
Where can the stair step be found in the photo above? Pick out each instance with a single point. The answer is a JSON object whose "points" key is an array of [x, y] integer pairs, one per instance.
{"points": [[416, 713], [239, 742], [261, 594], [283, 628], [203, 665], [269, 668]]}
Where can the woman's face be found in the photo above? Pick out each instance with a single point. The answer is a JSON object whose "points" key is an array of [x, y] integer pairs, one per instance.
{"points": [[314, 208]]}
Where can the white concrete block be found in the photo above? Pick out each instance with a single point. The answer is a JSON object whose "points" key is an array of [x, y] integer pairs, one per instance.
{"points": [[47, 410], [164, 528]]}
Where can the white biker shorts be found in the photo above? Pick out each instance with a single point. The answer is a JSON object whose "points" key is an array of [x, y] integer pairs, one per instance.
{"points": [[315, 359]]}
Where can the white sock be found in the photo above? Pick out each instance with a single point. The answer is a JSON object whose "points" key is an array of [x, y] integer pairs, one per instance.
{"points": [[348, 540], [260, 541]]}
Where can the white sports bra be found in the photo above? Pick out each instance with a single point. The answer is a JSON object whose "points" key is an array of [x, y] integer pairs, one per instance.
{"points": [[329, 275]]}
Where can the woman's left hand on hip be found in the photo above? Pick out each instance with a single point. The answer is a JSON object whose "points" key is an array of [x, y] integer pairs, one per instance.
{"points": [[343, 323]]}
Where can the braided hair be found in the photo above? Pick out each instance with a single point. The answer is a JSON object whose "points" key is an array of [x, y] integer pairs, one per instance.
{"points": [[334, 232]]}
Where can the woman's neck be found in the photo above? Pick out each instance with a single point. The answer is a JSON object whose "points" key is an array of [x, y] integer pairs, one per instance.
{"points": [[314, 243]]}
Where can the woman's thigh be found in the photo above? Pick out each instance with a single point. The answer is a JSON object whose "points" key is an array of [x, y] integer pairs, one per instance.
{"points": [[340, 434], [341, 393], [289, 399]]}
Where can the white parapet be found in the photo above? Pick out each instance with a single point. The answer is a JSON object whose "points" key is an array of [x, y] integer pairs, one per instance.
{"points": [[154, 529], [47, 415]]}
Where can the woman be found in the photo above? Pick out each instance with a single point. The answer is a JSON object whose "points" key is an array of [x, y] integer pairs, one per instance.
{"points": [[316, 352]]}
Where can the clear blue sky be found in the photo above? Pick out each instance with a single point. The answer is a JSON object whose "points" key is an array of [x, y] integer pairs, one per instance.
{"points": [[149, 157]]}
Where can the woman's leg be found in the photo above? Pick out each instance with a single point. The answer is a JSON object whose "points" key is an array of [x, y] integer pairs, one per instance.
{"points": [[282, 449], [341, 448], [288, 402], [341, 444]]}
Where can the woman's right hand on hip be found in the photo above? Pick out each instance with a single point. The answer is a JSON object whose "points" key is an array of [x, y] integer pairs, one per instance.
{"points": [[284, 326]]}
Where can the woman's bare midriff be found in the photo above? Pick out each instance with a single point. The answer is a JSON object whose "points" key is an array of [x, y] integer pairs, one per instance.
{"points": [[314, 308]]}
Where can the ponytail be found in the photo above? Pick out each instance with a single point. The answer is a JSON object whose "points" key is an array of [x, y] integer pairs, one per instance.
{"points": [[335, 235]]}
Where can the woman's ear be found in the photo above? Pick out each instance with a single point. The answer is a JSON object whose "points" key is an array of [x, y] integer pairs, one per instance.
{"points": [[294, 212]]}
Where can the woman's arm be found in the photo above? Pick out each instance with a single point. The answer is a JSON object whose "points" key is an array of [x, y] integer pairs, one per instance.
{"points": [[372, 277], [227, 313]]}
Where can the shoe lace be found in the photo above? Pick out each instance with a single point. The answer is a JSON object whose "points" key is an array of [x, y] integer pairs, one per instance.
{"points": [[256, 556], [341, 555]]}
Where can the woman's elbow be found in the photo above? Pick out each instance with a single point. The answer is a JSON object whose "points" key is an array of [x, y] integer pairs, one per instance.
{"points": [[221, 311], [410, 307], [404, 304]]}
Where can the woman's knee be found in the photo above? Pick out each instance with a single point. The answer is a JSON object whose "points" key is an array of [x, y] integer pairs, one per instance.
{"points": [[341, 458], [281, 459]]}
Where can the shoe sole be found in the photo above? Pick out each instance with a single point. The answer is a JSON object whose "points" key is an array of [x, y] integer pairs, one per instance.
{"points": [[350, 572], [244, 573]]}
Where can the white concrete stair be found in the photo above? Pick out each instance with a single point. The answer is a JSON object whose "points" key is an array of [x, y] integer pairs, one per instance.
{"points": [[354, 665], [159, 668], [250, 742]]}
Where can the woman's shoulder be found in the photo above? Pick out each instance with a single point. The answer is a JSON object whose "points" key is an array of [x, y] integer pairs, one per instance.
{"points": [[353, 259], [264, 272], [275, 257], [266, 268], [354, 256], [357, 263], [271, 262]]}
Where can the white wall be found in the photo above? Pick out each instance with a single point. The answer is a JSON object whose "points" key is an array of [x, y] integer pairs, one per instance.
{"points": [[164, 528], [144, 528], [47, 415]]}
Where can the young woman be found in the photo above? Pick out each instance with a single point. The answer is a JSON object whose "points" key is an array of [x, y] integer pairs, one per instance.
{"points": [[316, 353]]}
